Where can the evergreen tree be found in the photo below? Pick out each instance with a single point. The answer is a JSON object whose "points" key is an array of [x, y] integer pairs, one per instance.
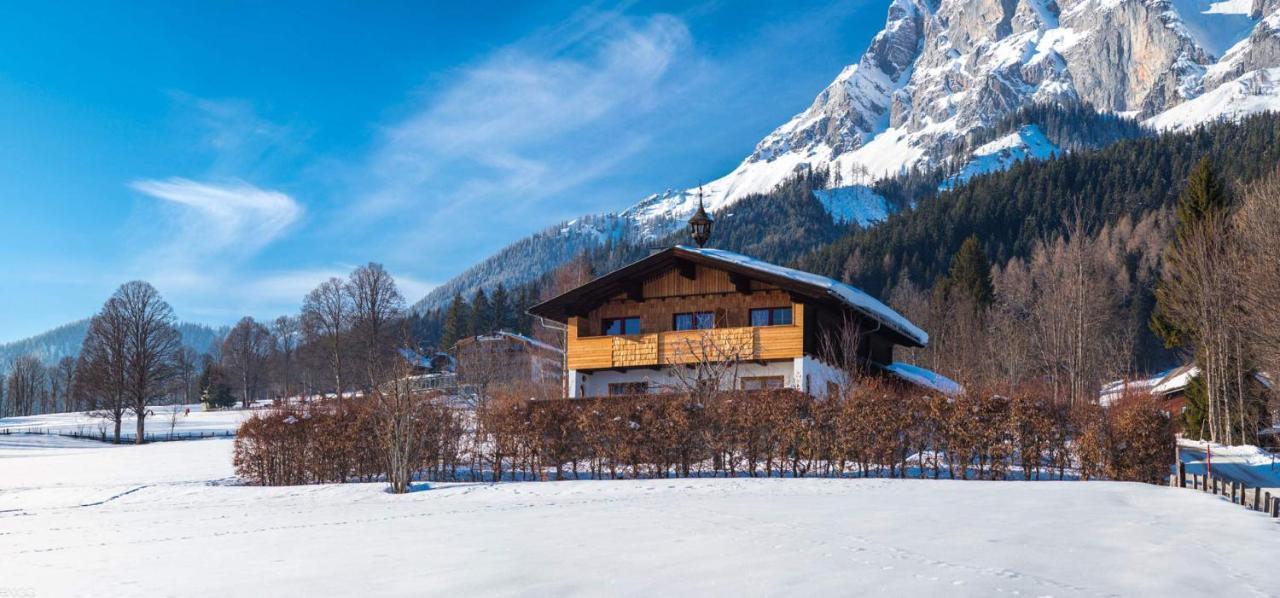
{"points": [[1196, 410], [1205, 195], [524, 321], [503, 318], [481, 313], [970, 273], [215, 393], [457, 323]]}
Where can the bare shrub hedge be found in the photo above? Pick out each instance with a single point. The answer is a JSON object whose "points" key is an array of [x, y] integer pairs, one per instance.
{"points": [[873, 429], [325, 442]]}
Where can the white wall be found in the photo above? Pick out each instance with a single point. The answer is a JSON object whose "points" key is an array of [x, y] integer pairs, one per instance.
{"points": [[596, 384], [805, 374], [814, 374]]}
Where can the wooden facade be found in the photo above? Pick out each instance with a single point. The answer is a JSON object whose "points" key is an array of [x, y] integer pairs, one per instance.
{"points": [[720, 295], [659, 344]]}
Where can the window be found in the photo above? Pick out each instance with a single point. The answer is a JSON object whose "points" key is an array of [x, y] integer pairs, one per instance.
{"points": [[620, 326], [628, 388], [699, 320], [763, 382], [771, 316]]}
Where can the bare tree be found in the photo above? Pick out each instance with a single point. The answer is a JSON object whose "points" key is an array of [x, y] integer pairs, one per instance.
{"points": [[152, 343], [400, 411], [839, 348], [101, 374], [376, 309], [1258, 221], [1057, 317], [287, 330], [911, 301], [1199, 293], [326, 321], [185, 382], [707, 364], [28, 384], [245, 352], [62, 380]]}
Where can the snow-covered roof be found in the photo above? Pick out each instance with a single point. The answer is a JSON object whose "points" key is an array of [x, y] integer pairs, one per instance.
{"points": [[849, 295], [531, 341], [1164, 383], [926, 378], [501, 334], [625, 280]]}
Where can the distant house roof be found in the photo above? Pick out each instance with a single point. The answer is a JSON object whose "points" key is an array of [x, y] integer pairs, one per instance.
{"points": [[814, 286], [1163, 384], [416, 359], [924, 378], [504, 335]]}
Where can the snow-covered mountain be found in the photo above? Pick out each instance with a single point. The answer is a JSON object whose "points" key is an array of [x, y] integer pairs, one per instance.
{"points": [[941, 71]]}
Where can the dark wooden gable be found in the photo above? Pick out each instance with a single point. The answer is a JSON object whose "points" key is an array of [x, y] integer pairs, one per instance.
{"points": [[679, 272]]}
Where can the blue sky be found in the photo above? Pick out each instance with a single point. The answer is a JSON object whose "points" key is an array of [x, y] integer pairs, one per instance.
{"points": [[237, 154]]}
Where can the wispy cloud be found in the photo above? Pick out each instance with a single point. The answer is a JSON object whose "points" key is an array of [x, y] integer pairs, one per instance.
{"points": [[240, 141], [221, 220], [531, 121]]}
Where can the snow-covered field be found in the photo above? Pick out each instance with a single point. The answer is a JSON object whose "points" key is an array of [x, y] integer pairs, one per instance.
{"points": [[80, 422], [80, 518]]}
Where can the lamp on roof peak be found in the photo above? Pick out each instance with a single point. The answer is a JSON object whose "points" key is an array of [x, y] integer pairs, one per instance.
{"points": [[701, 222]]}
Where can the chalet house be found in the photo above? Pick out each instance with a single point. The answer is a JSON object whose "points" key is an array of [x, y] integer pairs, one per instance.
{"points": [[1169, 386], [507, 357], [644, 327]]}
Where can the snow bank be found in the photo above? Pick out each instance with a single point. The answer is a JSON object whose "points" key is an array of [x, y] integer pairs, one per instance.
{"points": [[157, 519], [1244, 453], [1250, 465]]}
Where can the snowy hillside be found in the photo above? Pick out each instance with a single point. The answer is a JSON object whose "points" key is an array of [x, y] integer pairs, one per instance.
{"points": [[941, 71], [857, 204], [82, 518], [65, 341], [1027, 143]]}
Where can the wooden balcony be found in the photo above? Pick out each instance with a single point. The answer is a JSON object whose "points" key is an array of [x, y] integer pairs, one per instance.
{"points": [[686, 346]]}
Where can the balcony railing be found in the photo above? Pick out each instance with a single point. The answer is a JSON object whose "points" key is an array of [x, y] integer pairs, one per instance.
{"points": [[686, 346]]}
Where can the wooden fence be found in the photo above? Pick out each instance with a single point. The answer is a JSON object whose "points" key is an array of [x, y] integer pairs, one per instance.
{"points": [[124, 438], [1256, 499]]}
